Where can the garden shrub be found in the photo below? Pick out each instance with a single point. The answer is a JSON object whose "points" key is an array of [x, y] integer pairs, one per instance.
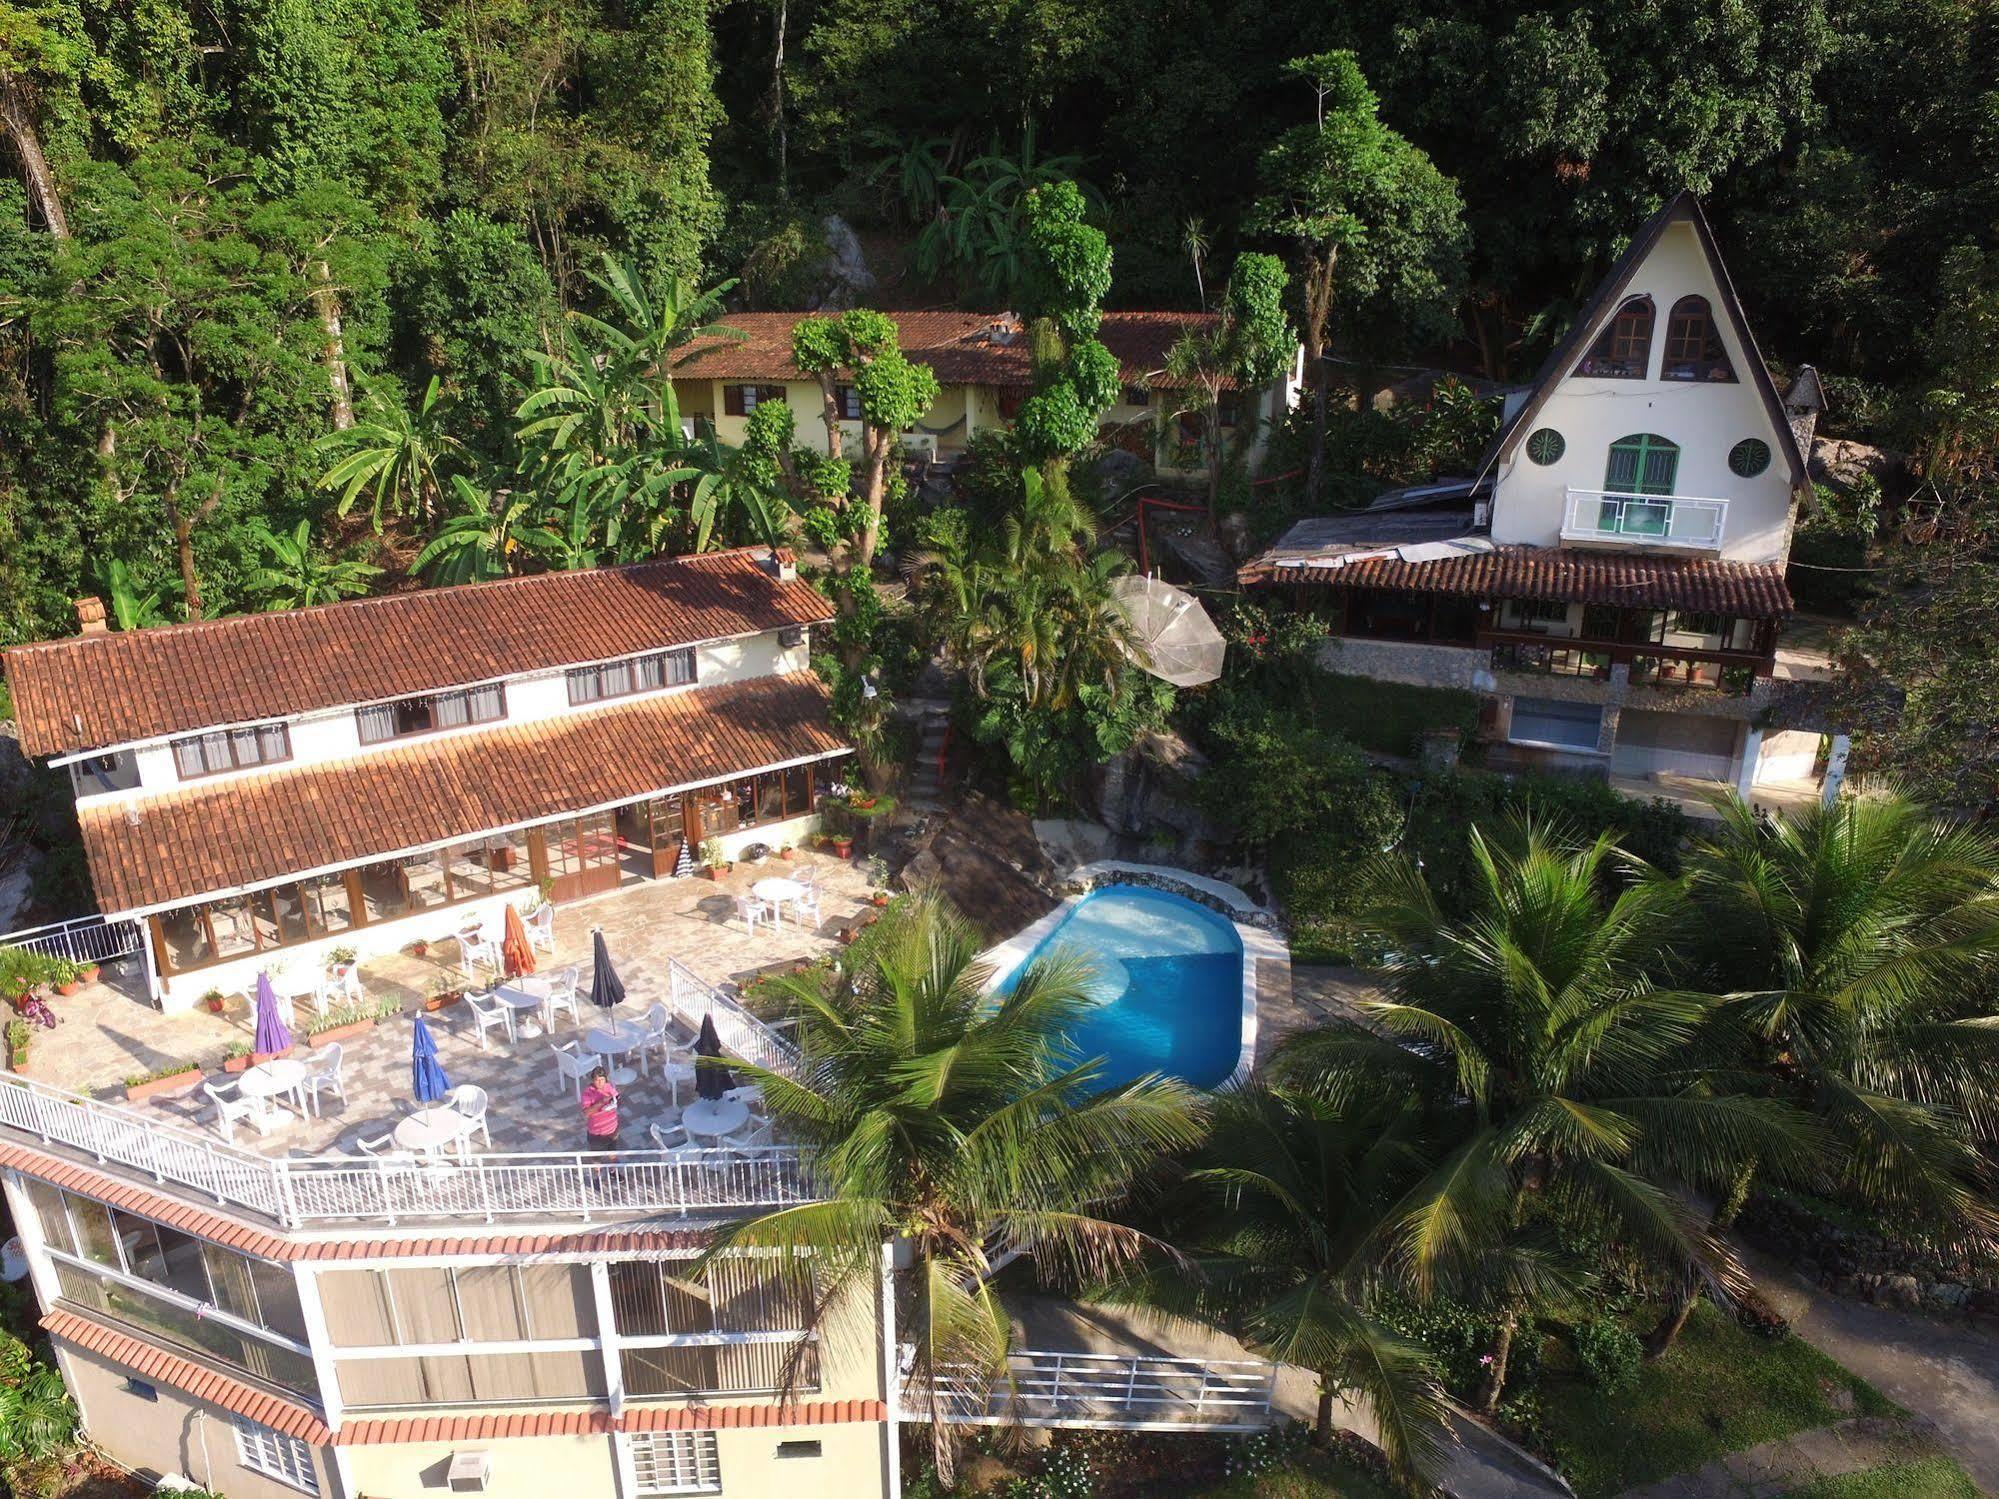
{"points": [[1609, 1353], [1459, 1337]]}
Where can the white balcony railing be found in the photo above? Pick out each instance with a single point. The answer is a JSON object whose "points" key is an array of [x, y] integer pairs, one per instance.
{"points": [[88, 939], [1124, 1391], [293, 1192], [1643, 519], [693, 997]]}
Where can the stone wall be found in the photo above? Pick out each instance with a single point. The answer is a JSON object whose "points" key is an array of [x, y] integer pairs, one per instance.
{"points": [[1414, 663], [1193, 887], [1855, 1262]]}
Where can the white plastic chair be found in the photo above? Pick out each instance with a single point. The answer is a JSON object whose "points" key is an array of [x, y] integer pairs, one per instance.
{"points": [[573, 1064], [750, 1096], [659, 1030], [470, 1100], [668, 1136], [750, 911], [325, 1074], [562, 996], [228, 1111], [748, 1138], [491, 1015], [483, 953], [541, 929]]}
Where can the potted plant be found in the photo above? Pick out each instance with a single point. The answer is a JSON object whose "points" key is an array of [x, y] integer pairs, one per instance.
{"points": [[446, 991], [712, 858], [18, 1035], [65, 977], [237, 1057], [174, 1077], [213, 1001], [351, 1019], [89, 972], [418, 948], [785, 852]]}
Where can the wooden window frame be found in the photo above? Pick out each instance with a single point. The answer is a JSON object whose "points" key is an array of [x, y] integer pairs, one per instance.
{"points": [[228, 737], [1623, 350], [1694, 351]]}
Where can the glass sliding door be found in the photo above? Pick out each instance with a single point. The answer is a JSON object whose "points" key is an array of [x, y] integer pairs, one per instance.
{"points": [[582, 855]]}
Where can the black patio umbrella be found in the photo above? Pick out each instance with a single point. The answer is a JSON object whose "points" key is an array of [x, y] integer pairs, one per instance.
{"points": [[606, 988], [710, 1082]]}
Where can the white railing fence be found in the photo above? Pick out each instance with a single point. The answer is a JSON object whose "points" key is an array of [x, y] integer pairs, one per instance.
{"points": [[1132, 1392], [345, 1189], [1668, 519], [87, 939], [693, 997]]}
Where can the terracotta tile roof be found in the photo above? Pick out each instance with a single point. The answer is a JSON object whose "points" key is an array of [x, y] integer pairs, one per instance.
{"points": [[237, 1396], [270, 1244], [90, 691], [252, 829], [1748, 590], [959, 346]]}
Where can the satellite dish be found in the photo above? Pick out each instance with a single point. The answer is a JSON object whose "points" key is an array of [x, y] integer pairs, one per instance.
{"points": [[1172, 636]]}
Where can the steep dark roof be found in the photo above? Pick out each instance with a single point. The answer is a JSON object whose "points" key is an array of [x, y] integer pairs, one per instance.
{"points": [[1609, 296]]}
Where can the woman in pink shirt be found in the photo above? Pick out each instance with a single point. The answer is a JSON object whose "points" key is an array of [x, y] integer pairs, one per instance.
{"points": [[600, 1112]]}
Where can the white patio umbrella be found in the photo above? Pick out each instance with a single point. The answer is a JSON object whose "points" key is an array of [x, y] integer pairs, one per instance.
{"points": [[1173, 638]]}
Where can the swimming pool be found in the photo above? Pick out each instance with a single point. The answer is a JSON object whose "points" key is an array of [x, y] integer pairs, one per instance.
{"points": [[1168, 985]]}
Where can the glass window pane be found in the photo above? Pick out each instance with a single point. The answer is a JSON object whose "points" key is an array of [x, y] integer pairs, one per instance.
{"points": [[425, 1309], [366, 1383], [327, 904], [679, 667], [649, 673], [423, 881], [414, 715], [377, 723], [188, 759], [185, 936], [637, 1304], [618, 679], [469, 874], [277, 1299], [94, 1237], [229, 1276], [489, 703], [274, 742], [49, 1210], [453, 710], [382, 892], [243, 748], [288, 905]]}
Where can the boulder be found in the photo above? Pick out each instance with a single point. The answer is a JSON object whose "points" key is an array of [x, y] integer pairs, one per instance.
{"points": [[1903, 1291], [1118, 471], [848, 280], [1149, 788], [1843, 465]]}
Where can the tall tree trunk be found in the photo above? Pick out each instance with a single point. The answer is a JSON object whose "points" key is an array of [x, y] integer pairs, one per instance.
{"points": [[183, 529], [777, 96], [327, 302], [1662, 1337], [1730, 1207], [829, 397], [1318, 319], [1494, 1384], [1211, 442], [18, 115]]}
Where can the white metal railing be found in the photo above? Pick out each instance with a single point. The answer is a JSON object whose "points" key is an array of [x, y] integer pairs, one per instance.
{"points": [[1663, 519], [1133, 1392], [693, 997], [343, 1189], [87, 939]]}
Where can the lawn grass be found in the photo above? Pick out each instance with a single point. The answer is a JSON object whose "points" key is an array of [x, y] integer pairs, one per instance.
{"points": [[1936, 1477], [1304, 1475], [1720, 1390], [1389, 717]]}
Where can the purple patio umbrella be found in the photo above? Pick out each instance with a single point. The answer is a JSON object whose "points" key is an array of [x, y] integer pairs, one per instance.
{"points": [[273, 1035], [711, 1078]]}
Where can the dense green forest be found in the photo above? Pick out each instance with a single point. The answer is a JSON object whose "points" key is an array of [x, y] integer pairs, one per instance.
{"points": [[248, 243]]}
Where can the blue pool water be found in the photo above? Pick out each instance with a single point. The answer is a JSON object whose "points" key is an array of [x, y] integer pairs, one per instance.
{"points": [[1168, 985]]}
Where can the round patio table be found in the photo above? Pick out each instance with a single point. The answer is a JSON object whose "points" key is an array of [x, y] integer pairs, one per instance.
{"points": [[779, 892], [716, 1117], [263, 1083], [526, 997], [428, 1131], [611, 1041]]}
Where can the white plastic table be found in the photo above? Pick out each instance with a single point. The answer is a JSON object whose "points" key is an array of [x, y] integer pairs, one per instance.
{"points": [[615, 1040], [780, 892], [527, 997], [263, 1084], [722, 1116], [428, 1131]]}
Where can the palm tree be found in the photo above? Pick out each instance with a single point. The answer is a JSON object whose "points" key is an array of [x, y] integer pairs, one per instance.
{"points": [[484, 537], [959, 1126], [395, 455], [653, 319], [1537, 1025], [130, 609], [1280, 1221], [1857, 944], [296, 575]]}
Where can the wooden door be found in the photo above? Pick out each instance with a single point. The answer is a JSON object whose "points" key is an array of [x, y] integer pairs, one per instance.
{"points": [[582, 856]]}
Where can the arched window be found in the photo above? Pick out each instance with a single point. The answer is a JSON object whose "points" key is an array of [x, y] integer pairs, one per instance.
{"points": [[1693, 347], [1643, 463], [1622, 349]]}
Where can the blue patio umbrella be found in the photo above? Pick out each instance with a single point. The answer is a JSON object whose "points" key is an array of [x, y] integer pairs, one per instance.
{"points": [[606, 988], [427, 1079], [273, 1035]]}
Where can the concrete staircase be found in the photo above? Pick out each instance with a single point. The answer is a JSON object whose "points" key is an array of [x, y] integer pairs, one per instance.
{"points": [[933, 734]]}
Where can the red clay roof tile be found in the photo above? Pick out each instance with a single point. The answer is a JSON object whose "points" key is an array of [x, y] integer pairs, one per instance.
{"points": [[90, 691]]}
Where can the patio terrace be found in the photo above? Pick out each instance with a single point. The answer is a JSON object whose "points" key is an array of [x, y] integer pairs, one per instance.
{"points": [[108, 1034]]}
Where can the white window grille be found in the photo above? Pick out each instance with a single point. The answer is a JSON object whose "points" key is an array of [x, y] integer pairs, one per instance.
{"points": [[676, 1462], [276, 1455]]}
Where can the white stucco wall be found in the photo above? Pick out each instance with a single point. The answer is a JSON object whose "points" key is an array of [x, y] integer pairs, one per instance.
{"points": [[1705, 420]]}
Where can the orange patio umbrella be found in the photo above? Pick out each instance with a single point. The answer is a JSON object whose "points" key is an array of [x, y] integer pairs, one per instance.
{"points": [[516, 952]]}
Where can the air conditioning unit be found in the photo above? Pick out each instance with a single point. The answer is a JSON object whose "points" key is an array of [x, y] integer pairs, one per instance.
{"points": [[470, 1472], [791, 637]]}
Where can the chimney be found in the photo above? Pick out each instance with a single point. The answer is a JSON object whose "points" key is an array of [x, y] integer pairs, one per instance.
{"points": [[90, 615], [780, 564], [1802, 404]]}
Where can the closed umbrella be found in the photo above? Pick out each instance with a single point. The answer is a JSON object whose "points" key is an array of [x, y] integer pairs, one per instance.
{"points": [[427, 1079], [711, 1082], [273, 1035], [606, 988], [515, 951]]}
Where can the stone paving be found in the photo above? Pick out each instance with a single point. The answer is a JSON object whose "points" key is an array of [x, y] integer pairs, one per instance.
{"points": [[110, 1032]]}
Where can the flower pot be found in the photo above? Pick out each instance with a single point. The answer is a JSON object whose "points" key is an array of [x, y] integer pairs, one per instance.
{"points": [[785, 854], [236, 1064], [90, 972], [258, 1058], [437, 1002], [341, 1032], [172, 1083], [65, 990], [214, 1006], [842, 847]]}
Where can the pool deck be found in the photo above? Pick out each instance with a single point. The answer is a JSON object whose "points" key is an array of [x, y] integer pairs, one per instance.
{"points": [[1266, 957]]}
